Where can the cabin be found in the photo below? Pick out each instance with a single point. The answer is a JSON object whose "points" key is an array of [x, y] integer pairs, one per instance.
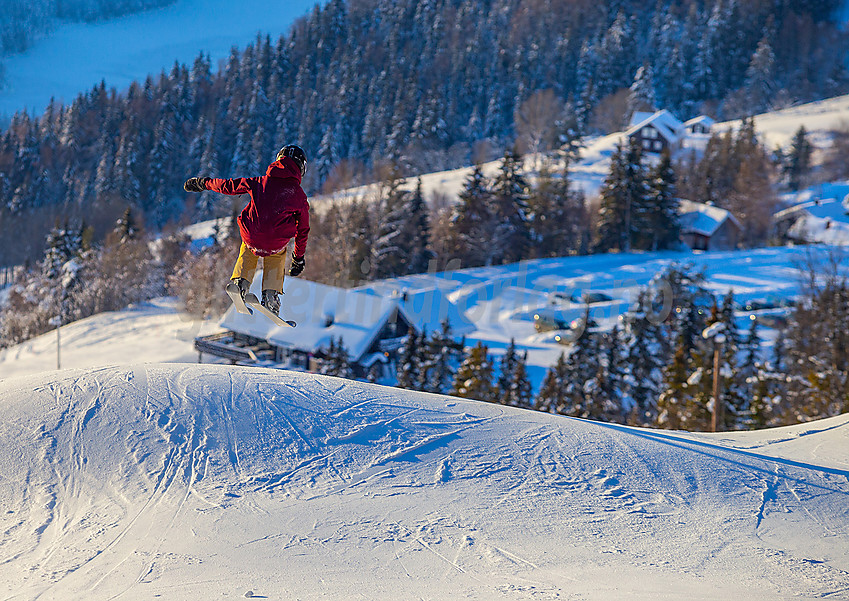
{"points": [[699, 125], [372, 327], [656, 132], [708, 227]]}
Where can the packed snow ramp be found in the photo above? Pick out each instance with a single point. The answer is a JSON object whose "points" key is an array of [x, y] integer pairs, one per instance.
{"points": [[209, 482]]}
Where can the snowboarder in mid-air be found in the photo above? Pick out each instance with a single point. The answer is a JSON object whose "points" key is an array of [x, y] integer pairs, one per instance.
{"points": [[277, 212]]}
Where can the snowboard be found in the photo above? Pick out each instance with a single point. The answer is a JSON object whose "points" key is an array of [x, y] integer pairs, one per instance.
{"points": [[236, 296], [252, 302]]}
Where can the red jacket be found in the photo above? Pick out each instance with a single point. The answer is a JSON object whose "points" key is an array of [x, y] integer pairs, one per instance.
{"points": [[278, 210]]}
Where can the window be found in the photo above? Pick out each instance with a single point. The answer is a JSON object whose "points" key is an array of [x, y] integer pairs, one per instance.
{"points": [[658, 145], [649, 132], [647, 144]]}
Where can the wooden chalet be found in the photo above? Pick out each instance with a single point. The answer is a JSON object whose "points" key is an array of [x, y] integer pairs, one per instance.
{"points": [[372, 329], [656, 132], [707, 227]]}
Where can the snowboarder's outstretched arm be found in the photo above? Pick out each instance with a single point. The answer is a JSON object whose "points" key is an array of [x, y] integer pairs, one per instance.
{"points": [[239, 185], [232, 187]]}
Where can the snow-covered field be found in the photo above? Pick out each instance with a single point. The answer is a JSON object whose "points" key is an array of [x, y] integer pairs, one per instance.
{"points": [[502, 301], [207, 482], [77, 56]]}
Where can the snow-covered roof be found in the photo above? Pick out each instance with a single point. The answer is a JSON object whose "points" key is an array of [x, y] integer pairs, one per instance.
{"points": [[427, 306], [701, 218], [321, 312], [665, 122], [700, 120], [639, 117]]}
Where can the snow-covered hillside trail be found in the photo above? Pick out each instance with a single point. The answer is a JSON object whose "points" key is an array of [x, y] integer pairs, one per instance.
{"points": [[204, 482]]}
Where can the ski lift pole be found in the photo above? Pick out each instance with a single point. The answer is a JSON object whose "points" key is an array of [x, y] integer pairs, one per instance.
{"points": [[57, 321], [717, 420], [715, 334]]}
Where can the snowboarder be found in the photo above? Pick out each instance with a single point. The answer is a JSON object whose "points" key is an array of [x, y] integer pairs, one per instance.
{"points": [[277, 212]]}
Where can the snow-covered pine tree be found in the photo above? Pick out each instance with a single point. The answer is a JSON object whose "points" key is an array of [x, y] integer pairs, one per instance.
{"points": [[163, 202], [581, 368], [552, 393], [641, 95], [63, 244], [506, 367], [126, 227], [409, 368], [662, 207], [341, 361], [623, 200], [798, 166], [472, 220], [519, 391], [645, 358], [325, 365], [443, 355], [603, 392], [676, 393], [209, 166], [760, 78], [509, 241], [557, 214], [417, 232], [390, 252], [473, 379]]}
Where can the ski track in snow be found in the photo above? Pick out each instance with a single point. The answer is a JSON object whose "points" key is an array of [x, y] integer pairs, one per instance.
{"points": [[190, 481]]}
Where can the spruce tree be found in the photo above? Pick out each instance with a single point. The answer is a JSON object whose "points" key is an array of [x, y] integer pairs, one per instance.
{"points": [[623, 201], [662, 219], [417, 232], [340, 362], [409, 367], [443, 355], [506, 367], [581, 368], [557, 214], [552, 394], [472, 220], [390, 251], [473, 379], [519, 392], [509, 240], [798, 166], [126, 228], [645, 358]]}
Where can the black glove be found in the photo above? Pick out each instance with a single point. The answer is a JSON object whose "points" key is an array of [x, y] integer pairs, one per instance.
{"points": [[195, 184], [298, 264]]}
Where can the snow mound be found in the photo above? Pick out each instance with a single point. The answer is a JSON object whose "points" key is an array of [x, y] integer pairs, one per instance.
{"points": [[208, 481]]}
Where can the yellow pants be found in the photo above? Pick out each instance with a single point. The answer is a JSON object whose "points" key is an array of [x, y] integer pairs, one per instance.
{"points": [[273, 268]]}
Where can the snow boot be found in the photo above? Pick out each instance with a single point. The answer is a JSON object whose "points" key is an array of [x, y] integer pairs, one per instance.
{"points": [[271, 301], [244, 286]]}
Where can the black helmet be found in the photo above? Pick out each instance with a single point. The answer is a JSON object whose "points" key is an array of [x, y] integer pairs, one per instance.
{"points": [[294, 152]]}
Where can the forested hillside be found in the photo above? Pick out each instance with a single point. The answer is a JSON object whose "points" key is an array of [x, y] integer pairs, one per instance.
{"points": [[21, 21], [418, 82]]}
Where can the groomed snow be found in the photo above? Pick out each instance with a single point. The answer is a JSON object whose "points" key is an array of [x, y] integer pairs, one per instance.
{"points": [[206, 482]]}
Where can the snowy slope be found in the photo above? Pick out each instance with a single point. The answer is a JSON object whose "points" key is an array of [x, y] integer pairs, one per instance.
{"points": [[206, 482], [77, 56], [819, 118], [152, 331]]}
